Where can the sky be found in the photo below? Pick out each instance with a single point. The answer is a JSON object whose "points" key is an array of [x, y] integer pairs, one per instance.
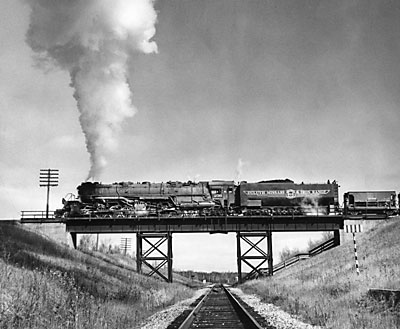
{"points": [[224, 89]]}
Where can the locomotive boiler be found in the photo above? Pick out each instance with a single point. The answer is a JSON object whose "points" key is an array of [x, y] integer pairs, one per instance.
{"points": [[128, 199]]}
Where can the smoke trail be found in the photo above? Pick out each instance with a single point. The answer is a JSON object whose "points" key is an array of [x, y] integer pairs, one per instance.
{"points": [[94, 40], [239, 169]]}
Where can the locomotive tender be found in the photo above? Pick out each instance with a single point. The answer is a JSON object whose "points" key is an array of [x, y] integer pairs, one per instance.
{"points": [[214, 198], [286, 197]]}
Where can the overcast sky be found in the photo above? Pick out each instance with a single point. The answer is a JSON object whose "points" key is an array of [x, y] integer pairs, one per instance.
{"points": [[307, 90]]}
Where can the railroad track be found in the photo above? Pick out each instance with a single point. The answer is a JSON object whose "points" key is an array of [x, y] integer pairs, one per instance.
{"points": [[218, 308]]}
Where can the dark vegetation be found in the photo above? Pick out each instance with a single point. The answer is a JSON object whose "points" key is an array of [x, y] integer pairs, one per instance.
{"points": [[44, 284], [214, 277]]}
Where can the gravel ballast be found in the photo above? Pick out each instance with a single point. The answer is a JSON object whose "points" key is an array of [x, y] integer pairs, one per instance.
{"points": [[273, 315], [162, 319]]}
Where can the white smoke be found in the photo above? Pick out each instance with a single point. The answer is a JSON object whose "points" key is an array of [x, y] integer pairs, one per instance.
{"points": [[239, 169], [310, 206], [94, 41]]}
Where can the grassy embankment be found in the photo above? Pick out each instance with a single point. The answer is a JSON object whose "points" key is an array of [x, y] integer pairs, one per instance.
{"points": [[48, 285], [325, 290]]}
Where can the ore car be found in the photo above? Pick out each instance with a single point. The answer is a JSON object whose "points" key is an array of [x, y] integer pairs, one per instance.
{"points": [[370, 202], [282, 197]]}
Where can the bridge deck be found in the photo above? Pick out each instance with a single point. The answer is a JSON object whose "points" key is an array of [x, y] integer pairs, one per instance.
{"points": [[210, 224]]}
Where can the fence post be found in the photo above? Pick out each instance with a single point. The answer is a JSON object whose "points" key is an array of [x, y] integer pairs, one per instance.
{"points": [[354, 228]]}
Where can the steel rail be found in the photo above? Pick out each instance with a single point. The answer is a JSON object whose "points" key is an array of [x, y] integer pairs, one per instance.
{"points": [[252, 323], [246, 318], [189, 320]]}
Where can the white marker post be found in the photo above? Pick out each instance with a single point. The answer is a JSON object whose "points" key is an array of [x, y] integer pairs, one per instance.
{"points": [[355, 228]]}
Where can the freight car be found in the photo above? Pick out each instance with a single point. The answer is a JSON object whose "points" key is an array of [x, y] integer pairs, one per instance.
{"points": [[282, 197], [217, 197], [370, 202]]}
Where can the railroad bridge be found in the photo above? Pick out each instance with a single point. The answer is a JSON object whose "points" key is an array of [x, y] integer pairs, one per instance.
{"points": [[157, 233]]}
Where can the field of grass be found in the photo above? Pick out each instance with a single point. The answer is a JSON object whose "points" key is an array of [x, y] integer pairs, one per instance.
{"points": [[326, 290], [47, 285]]}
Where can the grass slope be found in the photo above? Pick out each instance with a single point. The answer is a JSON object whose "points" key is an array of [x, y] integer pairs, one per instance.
{"points": [[44, 284], [326, 290]]}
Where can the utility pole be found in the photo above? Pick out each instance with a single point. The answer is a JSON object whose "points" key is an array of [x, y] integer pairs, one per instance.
{"points": [[48, 178], [125, 244]]}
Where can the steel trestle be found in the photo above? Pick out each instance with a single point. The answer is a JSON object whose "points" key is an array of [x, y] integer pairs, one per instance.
{"points": [[143, 257], [254, 253]]}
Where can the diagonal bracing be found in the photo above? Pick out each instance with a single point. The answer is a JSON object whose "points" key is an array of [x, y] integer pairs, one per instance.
{"points": [[254, 257], [155, 253]]}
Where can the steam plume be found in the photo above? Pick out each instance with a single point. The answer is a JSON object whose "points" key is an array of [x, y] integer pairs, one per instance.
{"points": [[94, 40], [239, 169]]}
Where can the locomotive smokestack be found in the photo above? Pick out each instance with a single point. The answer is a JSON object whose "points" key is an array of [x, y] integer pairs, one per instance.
{"points": [[94, 41]]}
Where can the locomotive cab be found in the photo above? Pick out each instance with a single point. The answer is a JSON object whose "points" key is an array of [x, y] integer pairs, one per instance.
{"points": [[223, 192]]}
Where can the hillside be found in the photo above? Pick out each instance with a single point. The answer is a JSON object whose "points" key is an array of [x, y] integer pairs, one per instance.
{"points": [[326, 290], [44, 284]]}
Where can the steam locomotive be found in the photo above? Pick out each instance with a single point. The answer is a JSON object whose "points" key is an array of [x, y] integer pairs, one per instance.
{"points": [[191, 199]]}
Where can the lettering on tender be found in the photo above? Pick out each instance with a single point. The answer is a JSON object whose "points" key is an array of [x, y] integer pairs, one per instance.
{"points": [[286, 193]]}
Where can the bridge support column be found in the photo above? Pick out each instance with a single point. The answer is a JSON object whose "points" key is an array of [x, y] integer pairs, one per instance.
{"points": [[336, 237], [254, 253], [73, 237], [156, 244]]}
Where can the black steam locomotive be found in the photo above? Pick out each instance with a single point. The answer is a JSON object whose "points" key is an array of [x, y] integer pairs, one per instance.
{"points": [[213, 198]]}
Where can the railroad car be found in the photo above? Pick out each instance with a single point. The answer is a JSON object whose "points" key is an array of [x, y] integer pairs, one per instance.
{"points": [[370, 202], [283, 197]]}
